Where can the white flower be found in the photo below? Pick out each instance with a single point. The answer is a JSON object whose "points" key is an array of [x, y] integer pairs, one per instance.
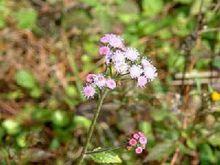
{"points": [[150, 72], [142, 81], [135, 71], [145, 62], [121, 67], [132, 54], [115, 41], [118, 57], [110, 83], [100, 81]]}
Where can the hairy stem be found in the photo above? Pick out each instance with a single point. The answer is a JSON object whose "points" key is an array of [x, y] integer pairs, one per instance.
{"points": [[92, 126]]}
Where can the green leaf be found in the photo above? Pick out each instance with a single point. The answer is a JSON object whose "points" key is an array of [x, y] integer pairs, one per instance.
{"points": [[105, 157], [21, 140], [25, 79], [206, 154], [216, 62], [145, 127], [152, 7], [71, 91], [159, 115], [35, 92], [26, 18], [81, 121], [215, 139], [11, 126], [161, 150], [191, 144], [60, 118]]}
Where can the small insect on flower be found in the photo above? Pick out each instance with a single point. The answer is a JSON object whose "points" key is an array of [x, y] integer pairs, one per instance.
{"points": [[89, 91], [110, 83], [104, 50]]}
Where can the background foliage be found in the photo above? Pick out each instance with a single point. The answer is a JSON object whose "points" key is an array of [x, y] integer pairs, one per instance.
{"points": [[48, 46]]}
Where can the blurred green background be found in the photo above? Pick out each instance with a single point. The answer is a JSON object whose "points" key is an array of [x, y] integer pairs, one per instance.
{"points": [[47, 47]]}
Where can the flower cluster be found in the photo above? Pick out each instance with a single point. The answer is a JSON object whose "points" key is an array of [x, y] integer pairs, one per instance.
{"points": [[126, 60], [94, 81], [137, 141]]}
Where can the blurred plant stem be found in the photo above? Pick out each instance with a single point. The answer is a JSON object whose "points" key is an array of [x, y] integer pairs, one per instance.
{"points": [[105, 149], [73, 65], [92, 126]]}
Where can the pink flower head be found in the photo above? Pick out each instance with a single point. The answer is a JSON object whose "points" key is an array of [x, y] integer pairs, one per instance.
{"points": [[132, 142], [142, 81], [105, 38], [90, 78], [111, 84], [100, 81], [139, 150], [137, 140], [113, 40], [89, 91], [143, 140], [104, 50], [135, 71], [150, 72], [136, 136], [131, 54], [116, 41]]}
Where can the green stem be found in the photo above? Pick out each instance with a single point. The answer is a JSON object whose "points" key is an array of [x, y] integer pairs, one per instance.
{"points": [[105, 149], [92, 126]]}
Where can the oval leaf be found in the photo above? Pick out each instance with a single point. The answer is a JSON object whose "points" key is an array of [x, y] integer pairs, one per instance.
{"points": [[160, 150], [106, 157]]}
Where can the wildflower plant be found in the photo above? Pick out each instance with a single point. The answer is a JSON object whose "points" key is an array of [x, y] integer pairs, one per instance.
{"points": [[120, 62]]}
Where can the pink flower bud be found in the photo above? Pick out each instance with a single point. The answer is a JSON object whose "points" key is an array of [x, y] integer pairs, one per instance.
{"points": [[138, 150], [142, 140], [111, 84], [142, 81], [132, 142], [136, 136], [90, 78], [104, 50], [89, 91], [105, 39]]}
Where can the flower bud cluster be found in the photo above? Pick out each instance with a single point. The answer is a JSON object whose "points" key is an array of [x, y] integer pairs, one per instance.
{"points": [[137, 141]]}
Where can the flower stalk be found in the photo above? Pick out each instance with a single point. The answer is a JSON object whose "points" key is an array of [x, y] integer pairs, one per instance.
{"points": [[92, 126]]}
